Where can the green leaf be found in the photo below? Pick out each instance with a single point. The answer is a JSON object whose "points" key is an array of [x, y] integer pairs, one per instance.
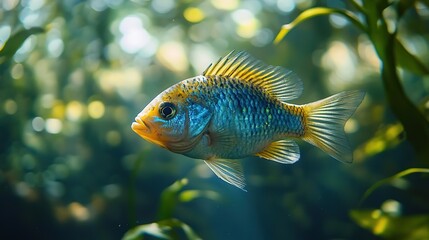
{"points": [[357, 6], [390, 179], [375, 7], [15, 41], [387, 226], [189, 195], [314, 12], [169, 198], [164, 229], [408, 61]]}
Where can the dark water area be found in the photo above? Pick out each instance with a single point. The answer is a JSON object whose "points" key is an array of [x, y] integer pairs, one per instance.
{"points": [[74, 75]]}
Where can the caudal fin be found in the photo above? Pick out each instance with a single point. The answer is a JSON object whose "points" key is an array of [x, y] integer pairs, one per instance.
{"points": [[325, 123]]}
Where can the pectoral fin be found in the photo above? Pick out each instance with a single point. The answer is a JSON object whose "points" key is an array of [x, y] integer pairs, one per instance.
{"points": [[228, 170], [283, 151]]}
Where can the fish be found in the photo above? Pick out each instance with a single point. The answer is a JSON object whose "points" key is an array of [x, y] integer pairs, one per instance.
{"points": [[238, 108]]}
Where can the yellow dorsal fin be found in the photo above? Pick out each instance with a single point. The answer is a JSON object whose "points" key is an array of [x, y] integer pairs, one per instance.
{"points": [[277, 81]]}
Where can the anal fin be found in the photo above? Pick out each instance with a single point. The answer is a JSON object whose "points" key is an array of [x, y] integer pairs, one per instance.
{"points": [[283, 151], [228, 170]]}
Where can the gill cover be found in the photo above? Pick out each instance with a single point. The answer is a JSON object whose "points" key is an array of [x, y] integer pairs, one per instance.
{"points": [[195, 122]]}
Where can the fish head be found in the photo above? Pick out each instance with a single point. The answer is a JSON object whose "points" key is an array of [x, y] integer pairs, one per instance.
{"points": [[173, 120]]}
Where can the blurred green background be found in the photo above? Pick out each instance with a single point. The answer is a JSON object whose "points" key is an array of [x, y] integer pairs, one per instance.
{"points": [[71, 167]]}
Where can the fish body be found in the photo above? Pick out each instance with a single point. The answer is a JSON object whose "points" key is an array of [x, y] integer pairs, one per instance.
{"points": [[237, 108], [240, 113]]}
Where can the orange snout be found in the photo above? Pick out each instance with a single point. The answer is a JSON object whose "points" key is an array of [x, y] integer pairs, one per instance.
{"points": [[147, 131]]}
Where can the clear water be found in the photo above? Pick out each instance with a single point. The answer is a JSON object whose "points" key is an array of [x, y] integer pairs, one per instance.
{"points": [[72, 168]]}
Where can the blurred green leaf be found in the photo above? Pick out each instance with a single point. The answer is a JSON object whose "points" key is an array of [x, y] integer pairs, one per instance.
{"points": [[189, 195], [15, 41], [174, 194], [408, 61], [375, 7], [390, 179], [314, 12], [163, 229], [357, 6], [132, 189], [413, 227], [169, 198], [386, 137]]}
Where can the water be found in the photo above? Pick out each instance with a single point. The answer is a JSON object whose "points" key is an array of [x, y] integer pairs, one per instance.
{"points": [[72, 168]]}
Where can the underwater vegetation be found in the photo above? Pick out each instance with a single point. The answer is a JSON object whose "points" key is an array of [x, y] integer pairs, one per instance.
{"points": [[381, 20], [74, 73]]}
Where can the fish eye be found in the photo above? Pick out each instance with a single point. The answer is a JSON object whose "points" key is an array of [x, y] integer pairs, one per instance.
{"points": [[167, 110]]}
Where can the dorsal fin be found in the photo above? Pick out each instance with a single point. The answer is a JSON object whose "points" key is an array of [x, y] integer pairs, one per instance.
{"points": [[277, 81]]}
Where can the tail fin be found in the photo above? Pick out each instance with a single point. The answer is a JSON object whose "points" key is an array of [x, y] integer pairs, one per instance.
{"points": [[325, 123]]}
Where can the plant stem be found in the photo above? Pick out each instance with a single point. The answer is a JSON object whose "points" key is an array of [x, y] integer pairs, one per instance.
{"points": [[415, 124]]}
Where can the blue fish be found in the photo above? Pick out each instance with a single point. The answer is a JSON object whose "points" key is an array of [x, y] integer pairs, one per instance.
{"points": [[238, 108]]}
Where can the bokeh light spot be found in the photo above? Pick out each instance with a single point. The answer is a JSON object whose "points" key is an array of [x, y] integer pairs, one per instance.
{"points": [[17, 71], [5, 31], [10, 106], [38, 124], [337, 21], [134, 35], [225, 4], [163, 6], [78, 211], [340, 62], [286, 5], [34, 4], [351, 126], [247, 24], [367, 52], [98, 5], [9, 4], [173, 56], [55, 47], [53, 125], [391, 207], [125, 81], [193, 14], [96, 109], [58, 109], [113, 138], [74, 110]]}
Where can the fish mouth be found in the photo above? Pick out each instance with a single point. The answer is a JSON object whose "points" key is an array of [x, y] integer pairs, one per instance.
{"points": [[144, 130], [140, 126]]}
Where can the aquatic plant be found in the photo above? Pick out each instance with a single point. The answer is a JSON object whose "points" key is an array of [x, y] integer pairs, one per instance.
{"points": [[167, 227], [387, 226], [391, 179], [388, 222], [164, 229], [68, 159], [373, 19], [15, 41]]}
